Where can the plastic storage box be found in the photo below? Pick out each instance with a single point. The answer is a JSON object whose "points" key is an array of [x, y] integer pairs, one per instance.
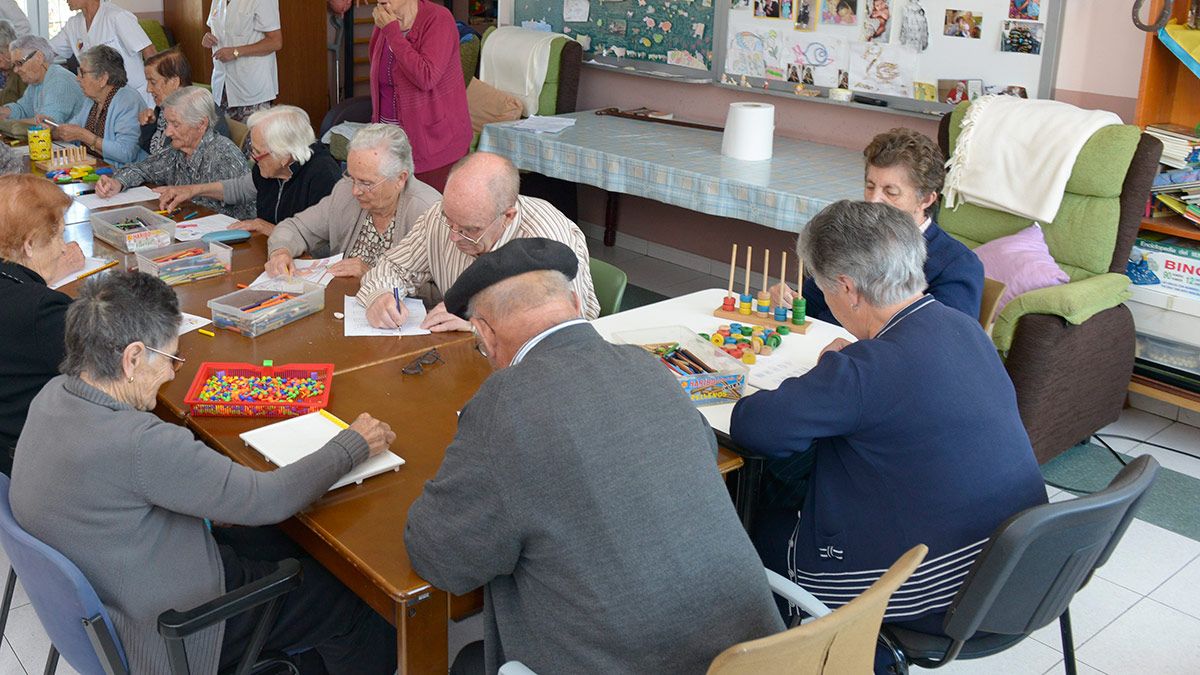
{"points": [[254, 311], [242, 408], [725, 385], [209, 259], [152, 230]]}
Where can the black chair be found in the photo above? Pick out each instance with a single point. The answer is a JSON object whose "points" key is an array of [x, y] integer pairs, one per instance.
{"points": [[1028, 573]]}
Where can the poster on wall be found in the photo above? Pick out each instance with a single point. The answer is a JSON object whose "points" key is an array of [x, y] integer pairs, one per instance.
{"points": [[882, 69]]}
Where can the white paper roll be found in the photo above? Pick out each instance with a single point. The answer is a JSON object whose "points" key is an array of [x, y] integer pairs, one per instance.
{"points": [[749, 131]]}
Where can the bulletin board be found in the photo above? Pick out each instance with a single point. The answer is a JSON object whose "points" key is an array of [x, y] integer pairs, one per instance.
{"points": [[917, 56], [674, 33]]}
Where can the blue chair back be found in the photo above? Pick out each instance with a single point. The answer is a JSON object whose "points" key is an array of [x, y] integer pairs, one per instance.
{"points": [[59, 593]]}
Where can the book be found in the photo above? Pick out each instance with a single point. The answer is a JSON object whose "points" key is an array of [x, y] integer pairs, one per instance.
{"points": [[1172, 131], [297, 437]]}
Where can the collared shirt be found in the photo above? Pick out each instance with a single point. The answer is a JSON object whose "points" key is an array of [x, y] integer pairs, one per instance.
{"points": [[533, 341], [925, 225], [371, 244], [113, 26], [215, 159], [246, 80], [426, 253]]}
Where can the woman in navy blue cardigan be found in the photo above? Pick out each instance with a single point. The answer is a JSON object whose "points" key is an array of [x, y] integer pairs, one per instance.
{"points": [[913, 429], [906, 169]]}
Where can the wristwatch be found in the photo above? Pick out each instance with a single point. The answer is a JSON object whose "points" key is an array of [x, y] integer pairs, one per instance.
{"points": [[236, 55]]}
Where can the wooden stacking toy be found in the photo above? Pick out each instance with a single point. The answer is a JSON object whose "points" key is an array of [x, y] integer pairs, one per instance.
{"points": [[66, 158], [747, 307]]}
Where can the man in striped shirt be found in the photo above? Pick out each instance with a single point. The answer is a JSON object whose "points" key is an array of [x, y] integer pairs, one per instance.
{"points": [[480, 211]]}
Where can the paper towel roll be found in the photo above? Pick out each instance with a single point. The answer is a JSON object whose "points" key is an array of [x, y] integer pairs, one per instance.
{"points": [[749, 131]]}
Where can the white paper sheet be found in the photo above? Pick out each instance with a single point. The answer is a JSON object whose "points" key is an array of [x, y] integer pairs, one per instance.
{"points": [[191, 230], [539, 124], [140, 193], [358, 326], [315, 271], [191, 322], [769, 373], [89, 265]]}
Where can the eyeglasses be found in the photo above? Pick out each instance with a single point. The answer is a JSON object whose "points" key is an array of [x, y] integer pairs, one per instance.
{"points": [[259, 156], [418, 364], [89, 73], [25, 60], [461, 233], [361, 184], [176, 361]]}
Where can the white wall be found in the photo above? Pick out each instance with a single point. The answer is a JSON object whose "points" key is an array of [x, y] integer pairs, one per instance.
{"points": [[1101, 48]]}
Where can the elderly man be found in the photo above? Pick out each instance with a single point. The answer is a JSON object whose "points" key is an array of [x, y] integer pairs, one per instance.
{"points": [[51, 90], [196, 155], [521, 496], [481, 212], [292, 172], [370, 209]]}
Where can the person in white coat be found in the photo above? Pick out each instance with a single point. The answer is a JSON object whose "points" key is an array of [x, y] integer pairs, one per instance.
{"points": [[101, 22], [12, 12], [244, 36]]}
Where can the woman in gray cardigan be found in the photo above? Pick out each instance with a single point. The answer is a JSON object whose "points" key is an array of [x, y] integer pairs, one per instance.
{"points": [[125, 495]]}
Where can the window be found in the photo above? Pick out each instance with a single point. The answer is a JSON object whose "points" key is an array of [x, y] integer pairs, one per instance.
{"points": [[57, 13]]}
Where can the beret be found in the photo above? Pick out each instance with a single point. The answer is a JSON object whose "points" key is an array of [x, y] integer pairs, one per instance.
{"points": [[518, 256]]}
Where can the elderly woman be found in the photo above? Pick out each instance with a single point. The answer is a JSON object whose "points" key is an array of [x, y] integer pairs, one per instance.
{"points": [[11, 86], [292, 171], [417, 83], [369, 211], [166, 73], [196, 155], [891, 467], [31, 314], [107, 124], [906, 169], [51, 90], [151, 485]]}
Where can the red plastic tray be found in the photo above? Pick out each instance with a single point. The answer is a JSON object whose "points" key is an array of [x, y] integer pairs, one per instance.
{"points": [[322, 371]]}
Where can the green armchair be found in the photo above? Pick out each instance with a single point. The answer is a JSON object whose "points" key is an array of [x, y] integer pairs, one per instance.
{"points": [[1069, 349]]}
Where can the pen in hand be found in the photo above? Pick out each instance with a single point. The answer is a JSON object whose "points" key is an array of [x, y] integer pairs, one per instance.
{"points": [[396, 294]]}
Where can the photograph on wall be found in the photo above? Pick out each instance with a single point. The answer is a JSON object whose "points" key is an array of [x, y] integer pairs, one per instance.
{"points": [[1022, 37], [961, 23], [957, 91], [839, 12], [925, 91], [767, 9], [739, 4], [914, 26], [806, 15], [877, 26], [793, 73], [1028, 10]]}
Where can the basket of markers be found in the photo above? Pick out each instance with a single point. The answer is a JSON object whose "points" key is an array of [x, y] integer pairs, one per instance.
{"points": [[705, 373], [247, 390]]}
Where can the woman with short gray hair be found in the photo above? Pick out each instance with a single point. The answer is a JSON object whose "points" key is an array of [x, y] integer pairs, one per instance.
{"points": [[292, 171], [151, 484], [51, 90], [107, 124], [196, 154], [377, 201], [909, 434], [11, 86]]}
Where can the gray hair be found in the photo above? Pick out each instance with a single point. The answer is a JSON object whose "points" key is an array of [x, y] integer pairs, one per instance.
{"points": [[522, 293], [397, 151], [113, 311], [194, 105], [286, 131], [876, 245], [7, 34], [106, 61], [11, 162], [33, 43]]}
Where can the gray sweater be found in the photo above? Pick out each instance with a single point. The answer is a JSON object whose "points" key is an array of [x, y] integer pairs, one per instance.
{"points": [[582, 492], [124, 495]]}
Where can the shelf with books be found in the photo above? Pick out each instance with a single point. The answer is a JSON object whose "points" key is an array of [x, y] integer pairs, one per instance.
{"points": [[1174, 225]]}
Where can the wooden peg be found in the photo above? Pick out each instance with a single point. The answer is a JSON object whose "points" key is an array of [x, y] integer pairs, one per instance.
{"points": [[746, 291], [732, 269]]}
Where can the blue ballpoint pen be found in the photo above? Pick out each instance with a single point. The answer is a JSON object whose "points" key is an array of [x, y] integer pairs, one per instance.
{"points": [[396, 294]]}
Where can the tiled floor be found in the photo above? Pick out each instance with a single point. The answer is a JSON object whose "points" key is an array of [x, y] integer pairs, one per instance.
{"points": [[1140, 614]]}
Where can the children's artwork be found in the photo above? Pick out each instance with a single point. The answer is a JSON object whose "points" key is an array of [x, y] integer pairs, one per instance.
{"points": [[882, 69], [576, 11], [1028, 10], [957, 91], [876, 27], [821, 57], [750, 52], [774, 73], [806, 15], [914, 27], [961, 23], [925, 91], [616, 27], [679, 57], [839, 12], [1022, 37]]}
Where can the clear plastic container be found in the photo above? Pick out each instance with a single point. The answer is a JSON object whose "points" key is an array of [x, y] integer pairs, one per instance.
{"points": [[725, 385], [211, 259], [244, 311], [150, 230], [1169, 353]]}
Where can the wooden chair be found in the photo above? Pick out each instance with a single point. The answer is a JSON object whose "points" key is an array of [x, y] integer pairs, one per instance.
{"points": [[992, 290], [842, 641]]}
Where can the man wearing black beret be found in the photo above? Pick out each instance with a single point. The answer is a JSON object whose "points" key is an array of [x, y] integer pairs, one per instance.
{"points": [[581, 491]]}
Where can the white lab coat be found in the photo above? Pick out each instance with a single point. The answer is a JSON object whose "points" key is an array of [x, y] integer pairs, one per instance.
{"points": [[249, 79], [113, 26]]}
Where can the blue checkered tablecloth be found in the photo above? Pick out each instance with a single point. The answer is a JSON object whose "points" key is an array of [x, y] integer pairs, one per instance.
{"points": [[684, 167]]}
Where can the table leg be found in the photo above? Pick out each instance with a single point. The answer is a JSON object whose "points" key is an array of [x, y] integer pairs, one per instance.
{"points": [[421, 634], [610, 218]]}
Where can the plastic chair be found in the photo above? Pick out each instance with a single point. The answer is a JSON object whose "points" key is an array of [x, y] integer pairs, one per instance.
{"points": [[609, 283], [992, 290], [837, 641], [78, 623], [1026, 576]]}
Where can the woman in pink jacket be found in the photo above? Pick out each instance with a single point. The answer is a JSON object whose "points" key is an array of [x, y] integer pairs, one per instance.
{"points": [[417, 83]]}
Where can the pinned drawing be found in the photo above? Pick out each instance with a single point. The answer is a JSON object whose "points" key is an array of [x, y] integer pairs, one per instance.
{"points": [[914, 27], [882, 69], [679, 57], [750, 52], [823, 58]]}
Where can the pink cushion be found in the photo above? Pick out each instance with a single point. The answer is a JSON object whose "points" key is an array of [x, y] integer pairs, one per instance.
{"points": [[1020, 261]]}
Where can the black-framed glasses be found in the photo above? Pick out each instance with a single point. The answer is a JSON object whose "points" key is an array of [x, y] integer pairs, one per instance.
{"points": [[417, 366]]}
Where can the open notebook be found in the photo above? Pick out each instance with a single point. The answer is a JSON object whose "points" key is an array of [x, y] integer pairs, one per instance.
{"points": [[285, 442]]}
